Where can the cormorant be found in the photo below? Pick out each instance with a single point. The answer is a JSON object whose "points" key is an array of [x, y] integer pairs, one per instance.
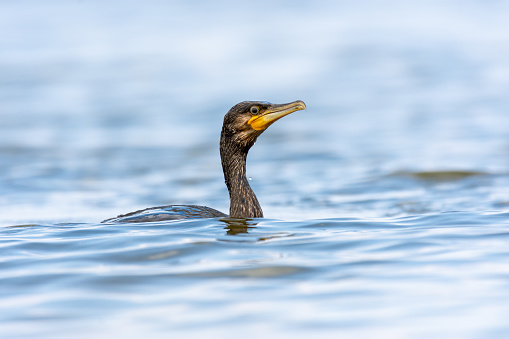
{"points": [[242, 125]]}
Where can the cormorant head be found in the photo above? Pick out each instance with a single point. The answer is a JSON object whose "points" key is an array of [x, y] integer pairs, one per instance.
{"points": [[245, 121]]}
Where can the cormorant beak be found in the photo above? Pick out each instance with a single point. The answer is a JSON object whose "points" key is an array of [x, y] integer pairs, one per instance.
{"points": [[274, 113]]}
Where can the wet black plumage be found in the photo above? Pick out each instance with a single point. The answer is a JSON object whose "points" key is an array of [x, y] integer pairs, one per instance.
{"points": [[242, 125]]}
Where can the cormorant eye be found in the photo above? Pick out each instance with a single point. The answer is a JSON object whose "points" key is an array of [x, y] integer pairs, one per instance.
{"points": [[254, 110]]}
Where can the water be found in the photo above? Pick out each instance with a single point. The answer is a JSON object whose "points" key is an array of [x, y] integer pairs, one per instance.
{"points": [[442, 273], [387, 202]]}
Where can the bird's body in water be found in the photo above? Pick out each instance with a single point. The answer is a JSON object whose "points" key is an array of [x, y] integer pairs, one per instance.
{"points": [[242, 125]]}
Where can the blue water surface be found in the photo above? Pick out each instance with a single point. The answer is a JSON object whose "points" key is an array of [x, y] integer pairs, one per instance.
{"points": [[387, 201]]}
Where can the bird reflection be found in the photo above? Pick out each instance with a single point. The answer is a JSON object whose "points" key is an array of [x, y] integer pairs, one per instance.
{"points": [[235, 226]]}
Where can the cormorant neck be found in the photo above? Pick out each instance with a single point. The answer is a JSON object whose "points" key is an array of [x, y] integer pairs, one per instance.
{"points": [[243, 201]]}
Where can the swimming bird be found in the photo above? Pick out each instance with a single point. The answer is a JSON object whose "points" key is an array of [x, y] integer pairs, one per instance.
{"points": [[242, 125]]}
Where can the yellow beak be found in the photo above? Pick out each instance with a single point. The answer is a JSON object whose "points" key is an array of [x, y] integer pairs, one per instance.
{"points": [[274, 113]]}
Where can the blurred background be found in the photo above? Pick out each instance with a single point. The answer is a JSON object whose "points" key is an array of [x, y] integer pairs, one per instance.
{"points": [[108, 107], [391, 191]]}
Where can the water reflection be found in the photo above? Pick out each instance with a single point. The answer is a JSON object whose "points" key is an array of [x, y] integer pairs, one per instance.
{"points": [[235, 226]]}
